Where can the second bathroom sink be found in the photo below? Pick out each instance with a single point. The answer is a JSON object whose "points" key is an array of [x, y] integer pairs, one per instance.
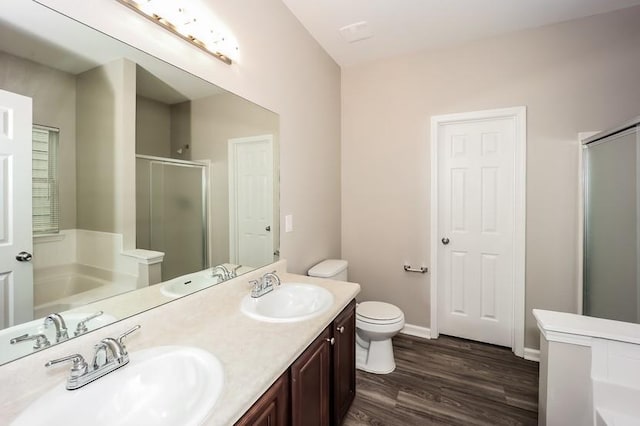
{"points": [[188, 284], [289, 302]]}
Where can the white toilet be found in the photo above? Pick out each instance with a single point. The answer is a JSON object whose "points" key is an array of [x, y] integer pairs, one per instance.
{"points": [[376, 323]]}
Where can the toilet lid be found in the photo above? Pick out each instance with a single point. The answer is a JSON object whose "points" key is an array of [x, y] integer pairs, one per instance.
{"points": [[378, 311]]}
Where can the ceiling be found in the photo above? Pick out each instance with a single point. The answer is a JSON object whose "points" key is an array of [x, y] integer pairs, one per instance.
{"points": [[403, 26]]}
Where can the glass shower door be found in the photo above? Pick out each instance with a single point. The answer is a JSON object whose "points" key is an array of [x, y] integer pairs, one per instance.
{"points": [[171, 216], [611, 287]]}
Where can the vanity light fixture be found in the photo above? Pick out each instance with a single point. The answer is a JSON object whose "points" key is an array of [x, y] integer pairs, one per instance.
{"points": [[175, 17]]}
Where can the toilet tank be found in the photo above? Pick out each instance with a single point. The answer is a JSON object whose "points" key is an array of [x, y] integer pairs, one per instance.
{"points": [[335, 269]]}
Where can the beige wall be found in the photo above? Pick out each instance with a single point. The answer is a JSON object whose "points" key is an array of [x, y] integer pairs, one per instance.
{"points": [[106, 146], [572, 77], [215, 120], [181, 131], [143, 208], [153, 127], [281, 68], [54, 105]]}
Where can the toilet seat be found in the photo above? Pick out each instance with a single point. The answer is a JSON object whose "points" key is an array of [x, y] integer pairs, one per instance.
{"points": [[378, 313]]}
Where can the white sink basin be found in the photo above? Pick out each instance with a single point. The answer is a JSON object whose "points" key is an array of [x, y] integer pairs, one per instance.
{"points": [[165, 385], [189, 283], [9, 352], [290, 302]]}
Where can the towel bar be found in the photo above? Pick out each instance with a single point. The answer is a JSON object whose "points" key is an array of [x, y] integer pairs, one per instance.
{"points": [[422, 269]]}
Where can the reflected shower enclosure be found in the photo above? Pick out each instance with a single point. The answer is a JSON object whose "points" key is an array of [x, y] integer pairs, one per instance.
{"points": [[171, 212], [611, 240]]}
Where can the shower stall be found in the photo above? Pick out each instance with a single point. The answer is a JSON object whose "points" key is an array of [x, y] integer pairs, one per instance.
{"points": [[611, 233], [171, 212]]}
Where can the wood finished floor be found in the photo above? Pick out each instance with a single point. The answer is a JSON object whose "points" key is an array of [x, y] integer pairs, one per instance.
{"points": [[448, 381]]}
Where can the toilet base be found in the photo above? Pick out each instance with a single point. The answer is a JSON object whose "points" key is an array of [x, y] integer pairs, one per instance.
{"points": [[377, 358]]}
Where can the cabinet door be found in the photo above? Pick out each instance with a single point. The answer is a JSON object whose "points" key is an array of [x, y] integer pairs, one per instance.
{"points": [[310, 375], [344, 363], [272, 409]]}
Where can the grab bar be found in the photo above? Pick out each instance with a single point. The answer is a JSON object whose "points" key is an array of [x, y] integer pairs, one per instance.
{"points": [[422, 269]]}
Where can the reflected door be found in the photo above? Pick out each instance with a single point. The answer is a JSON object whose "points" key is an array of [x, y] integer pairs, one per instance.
{"points": [[251, 200], [16, 277]]}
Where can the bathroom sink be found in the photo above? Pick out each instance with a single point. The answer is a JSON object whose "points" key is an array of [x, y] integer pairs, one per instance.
{"points": [[289, 302], [165, 385], [189, 283]]}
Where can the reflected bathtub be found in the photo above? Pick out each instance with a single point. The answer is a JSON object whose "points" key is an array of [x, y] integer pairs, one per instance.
{"points": [[60, 288]]}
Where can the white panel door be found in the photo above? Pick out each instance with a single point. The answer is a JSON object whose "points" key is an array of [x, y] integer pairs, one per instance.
{"points": [[476, 229], [251, 200], [16, 277]]}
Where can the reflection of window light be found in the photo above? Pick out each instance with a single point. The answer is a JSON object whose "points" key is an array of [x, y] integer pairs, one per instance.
{"points": [[46, 207], [175, 16]]}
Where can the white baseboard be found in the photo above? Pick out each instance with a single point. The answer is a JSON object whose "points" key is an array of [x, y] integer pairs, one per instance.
{"points": [[425, 333], [416, 331], [532, 354]]}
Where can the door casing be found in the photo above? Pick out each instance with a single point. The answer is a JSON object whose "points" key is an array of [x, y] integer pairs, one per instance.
{"points": [[518, 114]]}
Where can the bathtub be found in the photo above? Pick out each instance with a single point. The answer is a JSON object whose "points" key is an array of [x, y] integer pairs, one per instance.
{"points": [[60, 288]]}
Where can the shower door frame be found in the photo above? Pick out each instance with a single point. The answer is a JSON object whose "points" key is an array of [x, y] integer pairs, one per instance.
{"points": [[582, 153], [205, 196]]}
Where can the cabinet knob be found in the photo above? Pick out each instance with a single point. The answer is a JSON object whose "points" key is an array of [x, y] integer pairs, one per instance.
{"points": [[331, 341], [340, 329]]}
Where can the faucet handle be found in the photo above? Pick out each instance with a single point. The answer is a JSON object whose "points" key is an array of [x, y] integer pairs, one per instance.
{"points": [[82, 325], [120, 338], [41, 340], [234, 271], [79, 364]]}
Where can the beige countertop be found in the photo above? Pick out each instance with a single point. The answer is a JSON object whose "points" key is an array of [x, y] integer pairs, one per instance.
{"points": [[254, 354]]}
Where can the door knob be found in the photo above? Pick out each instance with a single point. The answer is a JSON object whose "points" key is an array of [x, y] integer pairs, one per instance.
{"points": [[445, 241], [331, 341], [23, 256], [268, 228], [340, 329]]}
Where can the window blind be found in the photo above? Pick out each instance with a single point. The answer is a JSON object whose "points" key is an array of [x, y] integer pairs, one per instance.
{"points": [[46, 208]]}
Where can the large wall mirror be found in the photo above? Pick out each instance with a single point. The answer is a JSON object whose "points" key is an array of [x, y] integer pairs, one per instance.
{"points": [[147, 183]]}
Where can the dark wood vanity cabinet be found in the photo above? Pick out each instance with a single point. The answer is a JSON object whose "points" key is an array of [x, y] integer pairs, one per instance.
{"points": [[323, 378], [310, 384], [320, 385], [344, 363], [272, 409]]}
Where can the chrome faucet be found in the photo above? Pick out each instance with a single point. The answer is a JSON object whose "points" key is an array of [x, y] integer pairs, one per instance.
{"points": [[265, 284], [61, 327], [41, 340], [81, 328], [223, 273], [110, 355]]}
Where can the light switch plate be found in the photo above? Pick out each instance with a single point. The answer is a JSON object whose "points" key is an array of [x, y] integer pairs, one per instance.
{"points": [[288, 223]]}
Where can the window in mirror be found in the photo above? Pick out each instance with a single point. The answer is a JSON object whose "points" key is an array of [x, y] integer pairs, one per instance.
{"points": [[46, 209]]}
